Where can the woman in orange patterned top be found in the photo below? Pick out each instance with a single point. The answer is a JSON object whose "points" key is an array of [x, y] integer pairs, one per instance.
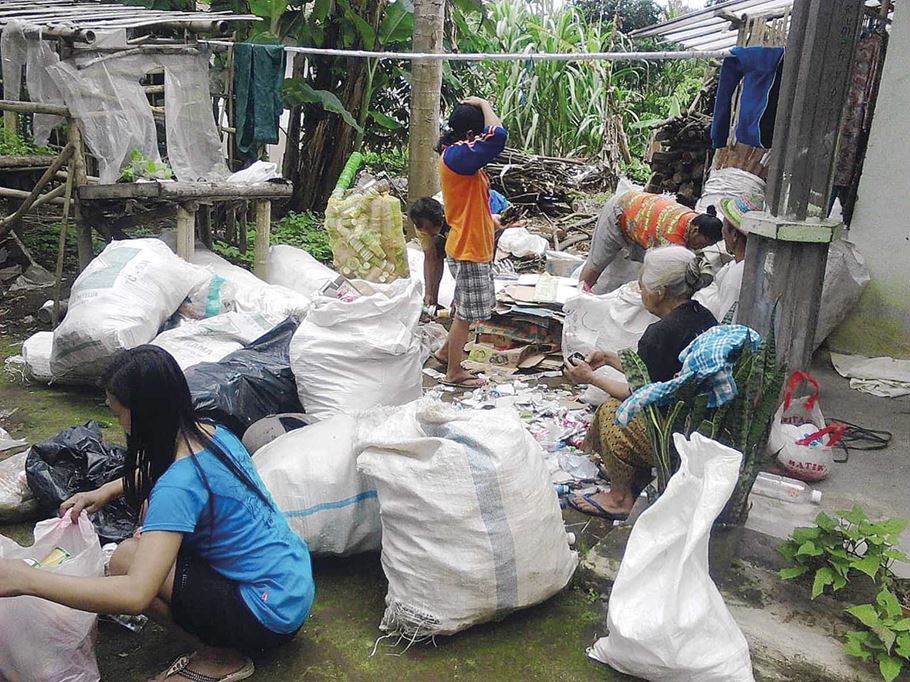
{"points": [[638, 221]]}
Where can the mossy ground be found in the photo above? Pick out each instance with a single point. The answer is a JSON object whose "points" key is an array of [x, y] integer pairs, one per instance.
{"points": [[546, 642]]}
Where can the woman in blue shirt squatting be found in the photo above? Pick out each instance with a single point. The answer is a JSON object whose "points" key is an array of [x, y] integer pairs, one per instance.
{"points": [[215, 560]]}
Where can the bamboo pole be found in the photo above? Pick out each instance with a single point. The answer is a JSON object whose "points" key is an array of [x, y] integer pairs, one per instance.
{"points": [[83, 230], [52, 197], [7, 105], [61, 245], [46, 177]]}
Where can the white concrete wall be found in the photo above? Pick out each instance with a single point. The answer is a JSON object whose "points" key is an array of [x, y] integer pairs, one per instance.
{"points": [[881, 223]]}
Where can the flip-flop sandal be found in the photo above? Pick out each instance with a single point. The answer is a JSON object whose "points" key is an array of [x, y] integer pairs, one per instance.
{"points": [[181, 667], [598, 511], [465, 383]]}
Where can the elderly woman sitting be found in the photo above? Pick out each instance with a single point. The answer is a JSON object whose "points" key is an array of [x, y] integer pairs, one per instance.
{"points": [[669, 278]]}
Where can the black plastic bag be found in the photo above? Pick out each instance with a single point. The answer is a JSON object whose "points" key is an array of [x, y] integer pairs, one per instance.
{"points": [[249, 384], [77, 460]]}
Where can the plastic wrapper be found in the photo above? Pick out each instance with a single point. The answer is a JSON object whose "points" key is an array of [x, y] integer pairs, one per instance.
{"points": [[366, 235], [249, 384], [77, 460], [42, 641]]}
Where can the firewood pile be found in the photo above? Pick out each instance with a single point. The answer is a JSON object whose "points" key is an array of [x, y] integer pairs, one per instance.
{"points": [[547, 185], [681, 150]]}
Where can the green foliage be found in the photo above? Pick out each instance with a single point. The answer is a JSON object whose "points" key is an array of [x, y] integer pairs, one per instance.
{"points": [[567, 108], [839, 548], [297, 91], [885, 637], [742, 424], [303, 230], [632, 14], [392, 161], [140, 167], [13, 145], [42, 242]]}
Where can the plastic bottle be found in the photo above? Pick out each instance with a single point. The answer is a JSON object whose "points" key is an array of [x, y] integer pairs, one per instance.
{"points": [[786, 489]]}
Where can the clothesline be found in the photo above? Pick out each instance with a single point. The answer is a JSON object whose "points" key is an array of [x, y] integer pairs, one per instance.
{"points": [[499, 56]]}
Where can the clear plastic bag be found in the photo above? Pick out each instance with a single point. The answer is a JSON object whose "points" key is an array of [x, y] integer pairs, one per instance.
{"points": [[43, 641]]}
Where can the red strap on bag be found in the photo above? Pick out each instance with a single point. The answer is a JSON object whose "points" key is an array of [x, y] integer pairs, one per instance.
{"points": [[795, 381], [836, 430]]}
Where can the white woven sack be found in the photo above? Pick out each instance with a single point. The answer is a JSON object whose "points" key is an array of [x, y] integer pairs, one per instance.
{"points": [[471, 525], [119, 301], [312, 475], [213, 338], [354, 355]]}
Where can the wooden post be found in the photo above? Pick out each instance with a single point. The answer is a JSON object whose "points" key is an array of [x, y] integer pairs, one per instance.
{"points": [[787, 254], [243, 219], [263, 208], [48, 175], [186, 231], [426, 78], [204, 223], [83, 228]]}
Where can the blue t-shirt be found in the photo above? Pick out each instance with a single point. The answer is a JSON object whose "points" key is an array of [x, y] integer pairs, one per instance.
{"points": [[227, 525]]}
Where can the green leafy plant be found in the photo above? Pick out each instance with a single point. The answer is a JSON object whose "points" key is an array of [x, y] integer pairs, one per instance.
{"points": [[841, 547], [11, 144], [302, 230], [139, 167], [886, 639], [742, 424]]}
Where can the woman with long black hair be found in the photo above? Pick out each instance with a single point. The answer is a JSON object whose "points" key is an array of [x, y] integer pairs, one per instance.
{"points": [[214, 560]]}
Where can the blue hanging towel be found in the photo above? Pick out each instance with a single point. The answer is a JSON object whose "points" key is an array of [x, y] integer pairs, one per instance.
{"points": [[258, 77], [759, 69]]}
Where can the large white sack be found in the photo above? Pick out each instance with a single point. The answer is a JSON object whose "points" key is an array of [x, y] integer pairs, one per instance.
{"points": [[17, 503], [611, 321], [846, 275], [312, 475], [297, 270], [353, 355], [241, 291], [36, 353], [667, 622], [728, 183], [471, 525], [119, 301], [723, 293], [213, 338], [41, 640], [446, 293]]}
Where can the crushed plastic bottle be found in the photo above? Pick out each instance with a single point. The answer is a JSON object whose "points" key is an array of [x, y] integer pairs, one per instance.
{"points": [[786, 489]]}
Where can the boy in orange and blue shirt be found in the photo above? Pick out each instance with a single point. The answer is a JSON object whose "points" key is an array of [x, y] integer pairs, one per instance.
{"points": [[474, 138]]}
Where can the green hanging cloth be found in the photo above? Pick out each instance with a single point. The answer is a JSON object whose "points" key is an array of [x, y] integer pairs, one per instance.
{"points": [[258, 76]]}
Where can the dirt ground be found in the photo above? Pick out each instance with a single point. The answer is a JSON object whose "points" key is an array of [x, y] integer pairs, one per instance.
{"points": [[546, 642]]}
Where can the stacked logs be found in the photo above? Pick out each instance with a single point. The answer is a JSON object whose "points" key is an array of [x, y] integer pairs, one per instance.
{"points": [[678, 167]]}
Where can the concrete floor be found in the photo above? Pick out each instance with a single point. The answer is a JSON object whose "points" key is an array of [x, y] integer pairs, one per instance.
{"points": [[879, 481]]}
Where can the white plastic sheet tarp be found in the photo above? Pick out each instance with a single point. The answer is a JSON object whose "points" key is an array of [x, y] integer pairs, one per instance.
{"points": [[471, 525], [118, 302], [312, 475], [354, 355], [667, 622], [41, 640]]}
